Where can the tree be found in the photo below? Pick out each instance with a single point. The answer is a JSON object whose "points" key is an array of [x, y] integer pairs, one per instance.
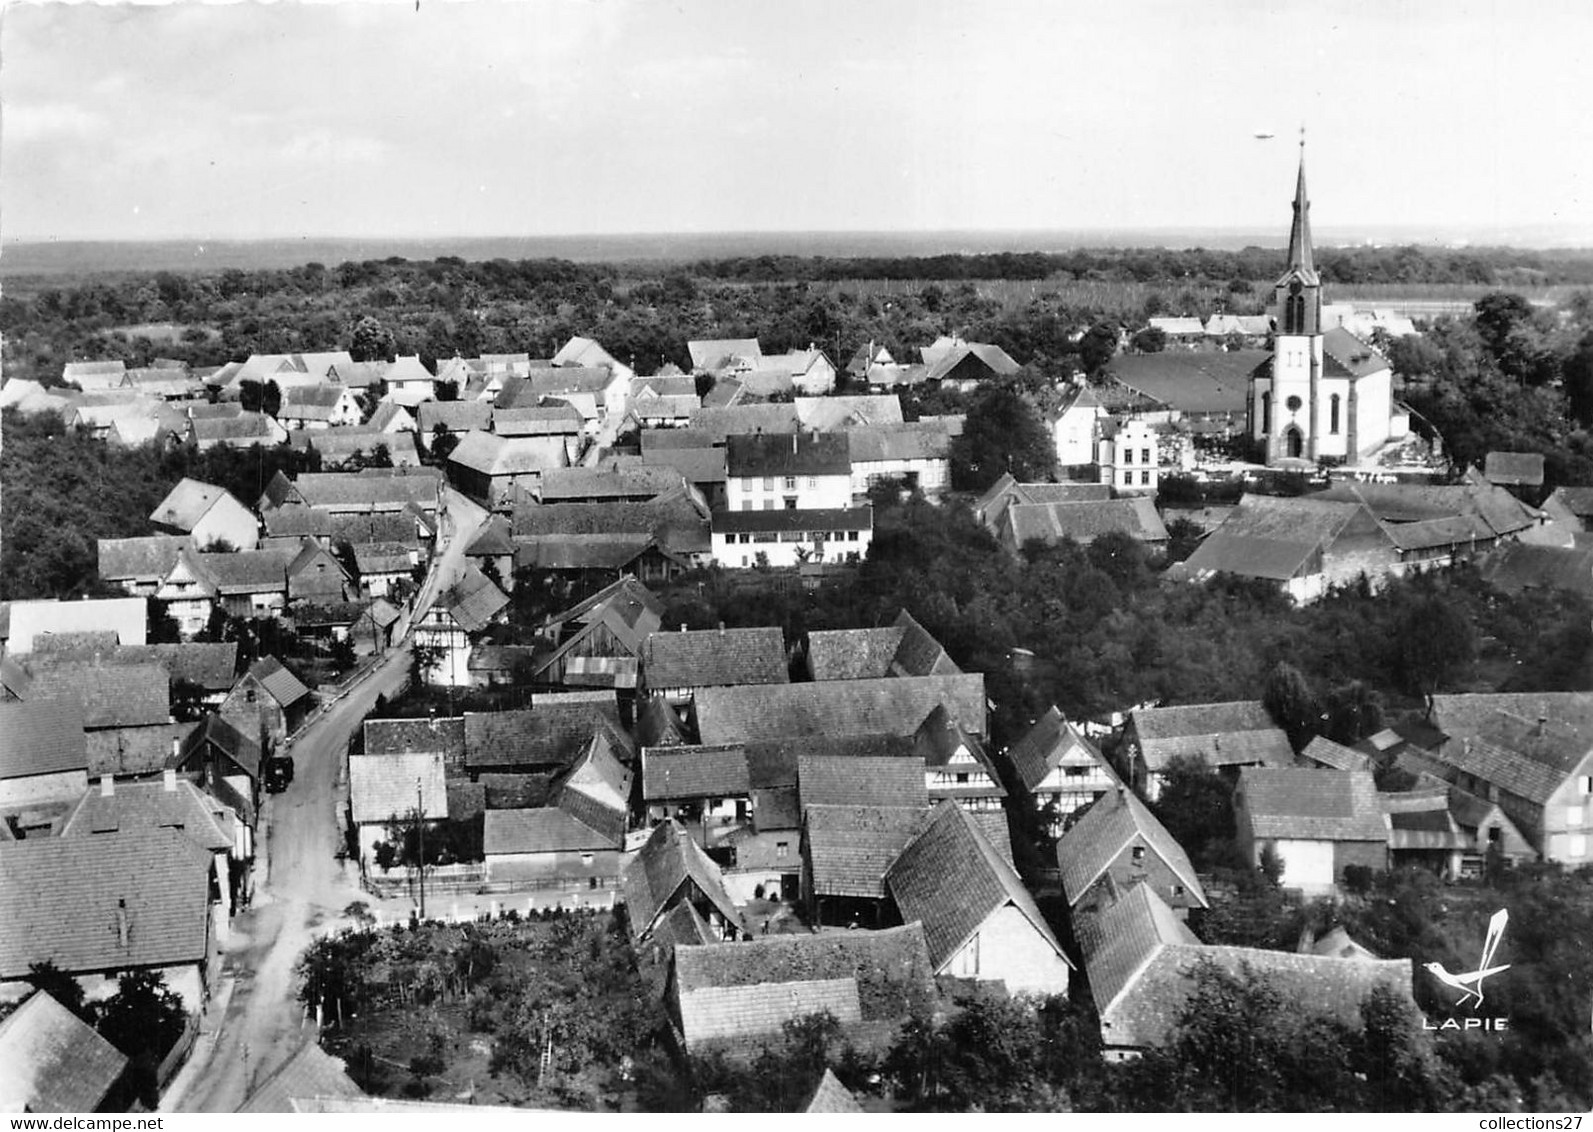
{"points": [[1434, 642], [1292, 704], [1196, 806], [423, 661], [1151, 340], [62, 987], [1098, 347], [370, 341], [1003, 434], [443, 443], [1578, 375], [144, 1019]]}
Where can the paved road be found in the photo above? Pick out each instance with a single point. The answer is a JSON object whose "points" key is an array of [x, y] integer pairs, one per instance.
{"points": [[307, 889]]}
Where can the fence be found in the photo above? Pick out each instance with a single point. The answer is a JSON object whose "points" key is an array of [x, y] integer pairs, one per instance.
{"points": [[442, 880], [178, 1054]]}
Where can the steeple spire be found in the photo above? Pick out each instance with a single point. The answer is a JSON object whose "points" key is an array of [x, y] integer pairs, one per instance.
{"points": [[1300, 232]]}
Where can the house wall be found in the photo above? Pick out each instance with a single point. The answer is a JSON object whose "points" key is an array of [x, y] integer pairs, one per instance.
{"points": [[932, 476], [1373, 411], [782, 548], [594, 871], [818, 380], [1307, 865], [1075, 435], [1008, 948], [42, 787], [453, 668], [1130, 461], [227, 519], [1126, 871], [1568, 818], [1368, 854], [770, 493]]}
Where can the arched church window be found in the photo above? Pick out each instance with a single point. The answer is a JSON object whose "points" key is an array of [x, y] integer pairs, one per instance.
{"points": [[1333, 413], [1266, 412]]}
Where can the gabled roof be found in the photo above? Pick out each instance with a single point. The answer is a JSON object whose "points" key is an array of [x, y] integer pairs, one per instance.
{"points": [[63, 897], [1207, 381], [714, 657], [952, 879], [829, 1095], [1526, 744], [580, 351], [942, 361], [1397, 504], [554, 732], [744, 420], [826, 414], [1577, 500], [146, 559], [844, 780], [473, 601], [546, 829], [716, 353], [678, 772], [1116, 820], [640, 483], [1223, 734], [111, 695], [1007, 492], [54, 1061], [600, 775], [849, 847], [1517, 566], [456, 416], [938, 741], [904, 649], [41, 736], [793, 454], [1304, 803], [493, 455], [1118, 943], [382, 787], [279, 683], [1047, 744], [1345, 355], [215, 734], [1084, 522], [1335, 756], [1514, 468], [121, 752], [666, 861], [379, 489], [309, 1074], [445, 736], [150, 805], [892, 705], [746, 990]]}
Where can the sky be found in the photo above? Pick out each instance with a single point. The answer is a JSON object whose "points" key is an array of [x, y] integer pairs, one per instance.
{"points": [[549, 117]]}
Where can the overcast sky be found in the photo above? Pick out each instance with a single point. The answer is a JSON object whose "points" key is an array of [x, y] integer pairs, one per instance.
{"points": [[555, 117]]}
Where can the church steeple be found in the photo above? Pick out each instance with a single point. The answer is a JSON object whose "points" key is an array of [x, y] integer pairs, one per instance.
{"points": [[1299, 292]]}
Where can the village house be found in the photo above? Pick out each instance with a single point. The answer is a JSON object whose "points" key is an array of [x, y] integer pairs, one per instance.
{"points": [[1226, 736], [56, 1062], [980, 922], [917, 457], [904, 648], [589, 354], [796, 472], [719, 423], [444, 736], [1531, 754], [1437, 525], [1141, 961], [964, 365], [636, 484], [1075, 426], [1516, 567], [1323, 753], [493, 469], [786, 538], [388, 792], [598, 393], [207, 515], [867, 356], [1061, 769], [43, 754], [369, 491], [807, 371], [1050, 523], [96, 907], [599, 640], [670, 871], [435, 418], [138, 565], [1116, 844], [895, 706], [956, 765], [1570, 508], [1127, 456], [319, 407], [706, 787], [552, 420], [545, 740], [224, 761], [245, 430], [650, 409], [409, 383], [1443, 828], [269, 702], [1316, 822], [991, 507], [733, 997], [455, 622], [679, 665], [1204, 390], [724, 356], [693, 455], [33, 621], [91, 376], [846, 850], [355, 446]]}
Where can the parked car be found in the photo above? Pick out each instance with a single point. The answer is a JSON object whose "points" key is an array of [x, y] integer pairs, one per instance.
{"points": [[278, 773]]}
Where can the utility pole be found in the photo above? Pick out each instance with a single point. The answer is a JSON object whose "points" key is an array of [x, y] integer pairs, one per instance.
{"points": [[420, 829]]}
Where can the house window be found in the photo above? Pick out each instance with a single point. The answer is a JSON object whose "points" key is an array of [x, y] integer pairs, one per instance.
{"points": [[1333, 413], [813, 482], [1075, 771], [790, 483], [851, 536], [1144, 455], [249, 695], [1585, 785], [1128, 455], [1178, 890], [1137, 855], [586, 859], [1144, 477], [591, 882], [1294, 404], [1128, 478], [1573, 815], [1493, 835], [768, 483], [962, 780], [1266, 412], [1576, 845], [790, 503], [782, 849]]}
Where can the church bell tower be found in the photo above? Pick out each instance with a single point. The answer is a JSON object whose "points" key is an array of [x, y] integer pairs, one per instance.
{"points": [[1290, 412]]}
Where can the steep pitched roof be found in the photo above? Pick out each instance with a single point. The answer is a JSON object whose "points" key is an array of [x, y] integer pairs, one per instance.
{"points": [[473, 601], [445, 736], [829, 1095], [62, 897], [41, 737], [892, 705], [1275, 537], [723, 422], [850, 847], [1047, 742], [794, 454], [1514, 468], [554, 732], [310, 1073], [382, 787], [694, 772], [1525, 743], [150, 805], [1223, 734], [279, 683], [53, 1060], [843, 780], [1335, 756], [1345, 355], [952, 879], [111, 695], [1517, 566], [150, 557], [667, 860], [1116, 820], [825, 414], [1309, 804], [904, 649], [712, 657], [715, 353]]}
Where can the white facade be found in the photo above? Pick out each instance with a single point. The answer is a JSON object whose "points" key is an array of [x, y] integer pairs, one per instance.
{"points": [[790, 547], [931, 475], [1076, 432], [1128, 459], [1008, 948], [789, 493]]}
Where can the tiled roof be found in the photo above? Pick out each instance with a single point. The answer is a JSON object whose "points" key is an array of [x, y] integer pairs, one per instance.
{"points": [[382, 787], [493, 455], [1350, 356], [849, 519], [123, 751], [795, 454], [735, 1014], [111, 695], [554, 732], [904, 649], [53, 1060], [826, 414], [889, 969], [773, 762], [215, 733], [952, 879], [1526, 743], [831, 1096], [667, 859], [473, 601], [282, 685], [1049, 741], [62, 897], [246, 571], [840, 780], [1577, 500], [375, 526], [244, 426], [309, 1073], [584, 352], [675, 522], [942, 360], [892, 705], [1335, 756], [1118, 942], [187, 503], [745, 420], [601, 772], [1051, 522], [939, 740], [1518, 566], [712, 657], [445, 736], [1223, 734], [694, 772], [641, 483], [659, 725], [41, 737], [712, 353], [1309, 804], [456, 416], [548, 829], [385, 490], [1514, 468], [1114, 822], [1399, 503], [557, 418], [149, 805], [850, 847], [148, 558], [1215, 381]]}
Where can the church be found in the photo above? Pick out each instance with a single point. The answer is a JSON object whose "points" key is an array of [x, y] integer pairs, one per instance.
{"points": [[1323, 394]]}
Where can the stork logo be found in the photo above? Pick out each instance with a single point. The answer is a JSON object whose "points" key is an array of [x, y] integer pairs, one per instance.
{"points": [[1470, 983]]}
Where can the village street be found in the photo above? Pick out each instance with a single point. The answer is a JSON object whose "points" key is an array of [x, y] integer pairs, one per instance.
{"points": [[306, 888]]}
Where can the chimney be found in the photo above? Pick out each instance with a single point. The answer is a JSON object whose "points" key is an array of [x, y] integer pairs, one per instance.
{"points": [[1542, 719], [176, 749], [721, 628], [682, 626], [793, 443], [123, 928], [107, 786], [169, 780]]}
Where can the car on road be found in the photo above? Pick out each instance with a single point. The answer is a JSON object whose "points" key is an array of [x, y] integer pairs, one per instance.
{"points": [[278, 773]]}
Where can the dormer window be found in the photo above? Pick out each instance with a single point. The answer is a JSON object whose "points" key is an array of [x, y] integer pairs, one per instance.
{"points": [[1137, 855]]}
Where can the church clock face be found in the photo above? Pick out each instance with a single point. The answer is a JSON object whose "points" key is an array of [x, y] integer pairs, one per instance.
{"points": [[1294, 404]]}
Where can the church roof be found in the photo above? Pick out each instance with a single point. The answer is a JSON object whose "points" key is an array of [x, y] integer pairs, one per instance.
{"points": [[1300, 264]]}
